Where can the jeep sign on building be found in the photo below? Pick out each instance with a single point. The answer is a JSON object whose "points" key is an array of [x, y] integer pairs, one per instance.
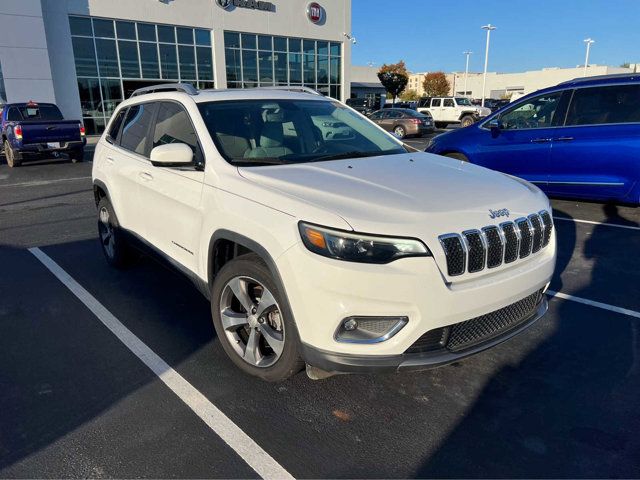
{"points": [[89, 55]]}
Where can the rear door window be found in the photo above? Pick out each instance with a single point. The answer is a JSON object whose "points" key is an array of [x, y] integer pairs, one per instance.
{"points": [[435, 102], [135, 130], [602, 105]]}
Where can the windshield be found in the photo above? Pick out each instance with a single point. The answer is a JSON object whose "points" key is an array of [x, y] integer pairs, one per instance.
{"points": [[266, 132], [463, 101]]}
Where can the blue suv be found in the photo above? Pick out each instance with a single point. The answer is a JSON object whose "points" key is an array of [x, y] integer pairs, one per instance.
{"points": [[579, 139]]}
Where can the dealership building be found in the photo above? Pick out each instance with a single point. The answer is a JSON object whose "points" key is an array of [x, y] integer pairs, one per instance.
{"points": [[88, 55]]}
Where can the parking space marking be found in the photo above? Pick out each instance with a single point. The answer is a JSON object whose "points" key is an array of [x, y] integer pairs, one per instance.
{"points": [[263, 464], [45, 182], [592, 303], [629, 227]]}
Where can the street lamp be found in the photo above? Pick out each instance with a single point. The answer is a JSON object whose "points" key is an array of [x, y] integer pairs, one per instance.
{"points": [[588, 41], [488, 28], [466, 71]]}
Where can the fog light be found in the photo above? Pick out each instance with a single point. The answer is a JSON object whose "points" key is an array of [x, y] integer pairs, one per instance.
{"points": [[350, 324], [369, 329]]}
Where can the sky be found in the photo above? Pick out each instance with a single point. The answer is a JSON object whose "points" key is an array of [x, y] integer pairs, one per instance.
{"points": [[431, 35]]}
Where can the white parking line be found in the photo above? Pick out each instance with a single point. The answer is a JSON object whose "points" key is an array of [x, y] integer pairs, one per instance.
{"points": [[591, 303], [240, 442], [629, 227], [45, 182]]}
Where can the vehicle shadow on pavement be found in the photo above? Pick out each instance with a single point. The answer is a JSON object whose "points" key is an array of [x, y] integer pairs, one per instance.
{"points": [[569, 408]]}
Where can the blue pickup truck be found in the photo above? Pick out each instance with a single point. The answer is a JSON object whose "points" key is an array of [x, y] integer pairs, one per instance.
{"points": [[31, 129]]}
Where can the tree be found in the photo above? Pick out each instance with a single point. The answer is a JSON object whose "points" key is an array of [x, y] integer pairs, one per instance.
{"points": [[394, 78], [409, 96], [435, 84]]}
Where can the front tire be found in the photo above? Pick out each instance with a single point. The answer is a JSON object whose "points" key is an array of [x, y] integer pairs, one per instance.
{"points": [[253, 322], [114, 246], [466, 121], [14, 158]]}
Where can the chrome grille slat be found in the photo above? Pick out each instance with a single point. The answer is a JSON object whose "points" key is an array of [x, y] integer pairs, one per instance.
{"points": [[495, 245]]}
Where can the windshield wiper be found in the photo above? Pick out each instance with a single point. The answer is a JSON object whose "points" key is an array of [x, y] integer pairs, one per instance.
{"points": [[339, 156], [249, 162]]}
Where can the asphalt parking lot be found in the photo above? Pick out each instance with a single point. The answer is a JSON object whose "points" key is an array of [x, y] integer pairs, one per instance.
{"points": [[560, 400]]}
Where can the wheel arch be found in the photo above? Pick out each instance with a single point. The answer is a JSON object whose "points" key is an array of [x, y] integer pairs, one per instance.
{"points": [[100, 191]]}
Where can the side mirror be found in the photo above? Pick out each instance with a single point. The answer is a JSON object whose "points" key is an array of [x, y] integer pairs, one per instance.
{"points": [[172, 155], [495, 125]]}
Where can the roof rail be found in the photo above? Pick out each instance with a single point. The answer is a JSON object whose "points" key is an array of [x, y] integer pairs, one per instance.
{"points": [[613, 76], [293, 89], [166, 87]]}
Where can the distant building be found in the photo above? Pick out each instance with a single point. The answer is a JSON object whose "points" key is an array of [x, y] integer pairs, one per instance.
{"points": [[365, 83], [504, 85]]}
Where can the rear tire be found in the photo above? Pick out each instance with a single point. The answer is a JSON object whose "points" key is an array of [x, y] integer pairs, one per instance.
{"points": [[263, 343], [77, 156], [466, 121], [14, 158], [400, 132], [457, 156], [116, 250]]}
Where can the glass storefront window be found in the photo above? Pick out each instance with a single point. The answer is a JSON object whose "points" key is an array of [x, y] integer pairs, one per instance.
{"points": [[203, 37], [249, 66], [107, 58], [335, 70], [85, 57], [231, 40], [309, 47], [295, 68], [89, 90], [249, 41], [265, 43], [185, 35], [335, 49], [80, 26], [205, 63], [265, 63], [280, 68], [124, 55], [126, 30], [233, 62], [103, 28], [166, 34], [280, 44], [129, 59], [149, 60], [187, 62], [309, 65], [168, 62], [323, 48], [146, 32]]}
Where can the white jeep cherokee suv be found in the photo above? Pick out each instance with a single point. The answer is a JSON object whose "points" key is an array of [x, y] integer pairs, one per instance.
{"points": [[342, 251]]}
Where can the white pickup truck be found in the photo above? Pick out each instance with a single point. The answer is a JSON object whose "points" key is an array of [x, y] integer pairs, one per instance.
{"points": [[447, 110]]}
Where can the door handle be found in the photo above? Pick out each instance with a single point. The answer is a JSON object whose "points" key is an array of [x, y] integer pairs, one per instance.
{"points": [[110, 159], [564, 139], [540, 140], [146, 177]]}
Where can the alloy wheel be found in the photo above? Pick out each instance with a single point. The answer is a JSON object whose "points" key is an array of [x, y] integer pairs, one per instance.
{"points": [[252, 321], [106, 232]]}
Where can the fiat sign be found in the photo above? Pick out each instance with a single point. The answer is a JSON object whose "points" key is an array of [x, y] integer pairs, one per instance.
{"points": [[315, 12]]}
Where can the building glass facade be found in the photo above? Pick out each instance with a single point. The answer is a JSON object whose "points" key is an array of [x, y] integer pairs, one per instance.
{"points": [[265, 60], [115, 57]]}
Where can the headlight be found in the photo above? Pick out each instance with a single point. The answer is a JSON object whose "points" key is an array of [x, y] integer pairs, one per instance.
{"points": [[355, 247]]}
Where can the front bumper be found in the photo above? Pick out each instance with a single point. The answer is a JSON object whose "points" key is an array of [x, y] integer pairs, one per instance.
{"points": [[344, 363], [322, 292]]}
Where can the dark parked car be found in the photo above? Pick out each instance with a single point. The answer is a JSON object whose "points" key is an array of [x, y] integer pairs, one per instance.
{"points": [[403, 122], [578, 139], [32, 129], [494, 104], [365, 106]]}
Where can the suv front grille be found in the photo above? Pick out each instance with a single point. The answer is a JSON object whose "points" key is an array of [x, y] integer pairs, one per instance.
{"points": [[494, 245], [463, 335]]}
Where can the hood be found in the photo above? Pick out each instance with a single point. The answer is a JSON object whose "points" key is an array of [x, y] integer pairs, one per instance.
{"points": [[414, 195]]}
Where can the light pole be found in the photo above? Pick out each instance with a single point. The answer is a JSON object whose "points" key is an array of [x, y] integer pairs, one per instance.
{"points": [[466, 71], [488, 28], [588, 41]]}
